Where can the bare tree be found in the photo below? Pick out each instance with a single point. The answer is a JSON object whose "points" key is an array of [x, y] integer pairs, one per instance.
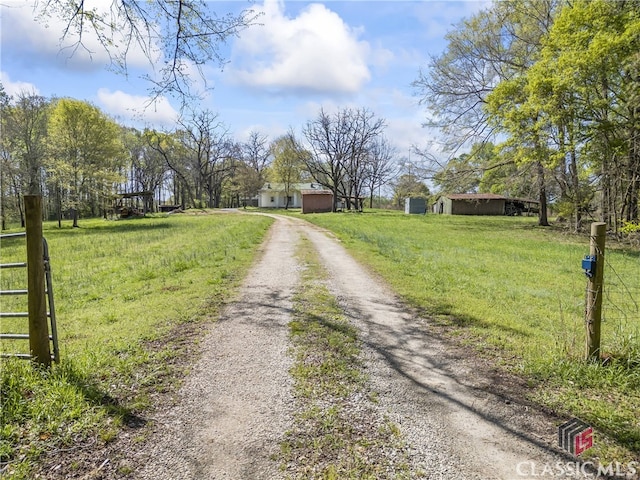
{"points": [[366, 129], [179, 35], [146, 167], [256, 153], [493, 45], [210, 151], [382, 168], [169, 147], [256, 157], [339, 148]]}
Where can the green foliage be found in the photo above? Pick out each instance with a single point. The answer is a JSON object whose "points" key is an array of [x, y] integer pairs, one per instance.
{"points": [[630, 227], [24, 142], [288, 161], [558, 84], [127, 293], [572, 109], [409, 185], [86, 153], [483, 169]]}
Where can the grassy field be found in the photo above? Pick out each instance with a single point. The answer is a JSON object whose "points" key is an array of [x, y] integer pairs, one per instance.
{"points": [[132, 297], [516, 292], [128, 294]]}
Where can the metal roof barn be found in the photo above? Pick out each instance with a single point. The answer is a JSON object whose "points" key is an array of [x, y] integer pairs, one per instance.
{"points": [[483, 204]]}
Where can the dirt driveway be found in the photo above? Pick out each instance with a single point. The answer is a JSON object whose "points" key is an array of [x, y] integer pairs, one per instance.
{"points": [[460, 417]]}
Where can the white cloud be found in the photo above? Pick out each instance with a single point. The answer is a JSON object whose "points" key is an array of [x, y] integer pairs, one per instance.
{"points": [[406, 133], [313, 52], [29, 35], [439, 17], [14, 88], [137, 108]]}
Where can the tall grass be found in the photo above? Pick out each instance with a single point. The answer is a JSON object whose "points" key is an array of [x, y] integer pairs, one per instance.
{"points": [[126, 293], [516, 292]]}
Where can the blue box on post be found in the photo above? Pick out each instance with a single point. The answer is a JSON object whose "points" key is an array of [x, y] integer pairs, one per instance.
{"points": [[589, 265]]}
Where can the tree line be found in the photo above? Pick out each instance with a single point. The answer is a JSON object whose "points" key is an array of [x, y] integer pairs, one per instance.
{"points": [[80, 159], [544, 98]]}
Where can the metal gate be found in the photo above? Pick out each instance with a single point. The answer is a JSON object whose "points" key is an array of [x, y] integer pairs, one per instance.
{"points": [[51, 315]]}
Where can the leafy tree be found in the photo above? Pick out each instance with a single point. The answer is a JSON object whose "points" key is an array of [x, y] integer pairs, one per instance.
{"points": [[587, 86], [86, 155], [25, 131], [509, 180], [527, 141], [460, 175], [409, 185], [24, 135], [289, 159], [495, 46], [570, 113], [173, 152]]}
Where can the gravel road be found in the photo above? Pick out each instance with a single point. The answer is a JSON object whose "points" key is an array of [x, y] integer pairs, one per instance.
{"points": [[460, 417]]}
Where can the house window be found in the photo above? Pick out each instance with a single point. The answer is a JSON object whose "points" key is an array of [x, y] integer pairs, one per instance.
{"points": [[290, 200], [273, 199]]}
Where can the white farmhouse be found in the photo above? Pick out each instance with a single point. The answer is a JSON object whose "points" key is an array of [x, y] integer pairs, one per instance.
{"points": [[272, 195]]}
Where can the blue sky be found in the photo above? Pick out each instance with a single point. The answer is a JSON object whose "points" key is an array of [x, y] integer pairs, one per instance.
{"points": [[303, 56]]}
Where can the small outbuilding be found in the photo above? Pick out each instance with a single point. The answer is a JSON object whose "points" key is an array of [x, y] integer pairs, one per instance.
{"points": [[483, 204], [416, 206], [316, 201], [132, 204]]}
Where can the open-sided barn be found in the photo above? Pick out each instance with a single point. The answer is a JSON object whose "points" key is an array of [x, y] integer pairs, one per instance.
{"points": [[483, 204]]}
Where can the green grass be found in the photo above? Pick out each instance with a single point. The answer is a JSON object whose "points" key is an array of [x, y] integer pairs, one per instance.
{"points": [[336, 432], [515, 292], [130, 298]]}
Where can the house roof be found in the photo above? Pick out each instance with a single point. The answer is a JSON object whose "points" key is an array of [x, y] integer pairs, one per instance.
{"points": [[316, 192], [279, 187], [485, 196], [475, 196]]}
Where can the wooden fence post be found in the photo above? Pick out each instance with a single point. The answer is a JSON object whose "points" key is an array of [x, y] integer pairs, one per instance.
{"points": [[38, 326], [595, 291]]}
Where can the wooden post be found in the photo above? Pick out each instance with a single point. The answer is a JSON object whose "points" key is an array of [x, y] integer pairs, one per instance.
{"points": [[38, 326], [594, 291]]}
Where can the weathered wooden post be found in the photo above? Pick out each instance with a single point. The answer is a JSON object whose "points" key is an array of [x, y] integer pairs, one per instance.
{"points": [[38, 327], [595, 291]]}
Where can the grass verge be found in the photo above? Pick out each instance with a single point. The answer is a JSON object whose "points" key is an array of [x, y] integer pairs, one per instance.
{"points": [[337, 432], [515, 293], [132, 298]]}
